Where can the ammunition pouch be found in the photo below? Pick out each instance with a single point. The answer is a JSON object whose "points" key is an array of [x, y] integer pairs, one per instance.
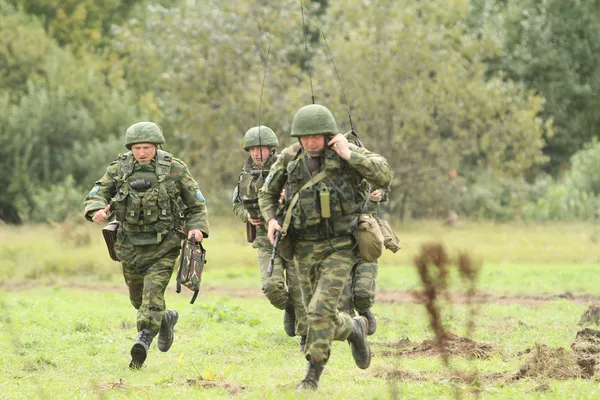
{"points": [[140, 185], [390, 240], [250, 232], [370, 238], [110, 237]]}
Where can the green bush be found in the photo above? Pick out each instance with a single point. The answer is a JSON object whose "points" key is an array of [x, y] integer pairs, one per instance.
{"points": [[57, 202], [585, 169]]}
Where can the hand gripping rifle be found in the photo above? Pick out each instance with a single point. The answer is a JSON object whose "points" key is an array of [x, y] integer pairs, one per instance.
{"points": [[274, 253]]}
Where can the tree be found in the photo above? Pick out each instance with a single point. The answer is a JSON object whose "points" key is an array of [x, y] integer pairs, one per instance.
{"points": [[552, 46], [417, 84], [50, 101]]}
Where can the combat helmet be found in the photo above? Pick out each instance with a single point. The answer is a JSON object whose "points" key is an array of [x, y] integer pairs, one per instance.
{"points": [[143, 132], [267, 137], [313, 119]]}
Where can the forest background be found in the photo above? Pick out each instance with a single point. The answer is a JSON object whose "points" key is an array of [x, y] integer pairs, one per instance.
{"points": [[486, 108]]}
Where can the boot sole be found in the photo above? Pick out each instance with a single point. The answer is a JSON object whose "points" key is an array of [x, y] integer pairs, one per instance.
{"points": [[164, 349], [138, 356]]}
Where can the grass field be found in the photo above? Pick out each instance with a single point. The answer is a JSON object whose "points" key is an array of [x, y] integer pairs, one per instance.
{"points": [[66, 325]]}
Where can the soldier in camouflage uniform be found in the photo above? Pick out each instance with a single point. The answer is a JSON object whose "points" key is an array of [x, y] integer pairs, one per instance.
{"points": [[245, 208], [156, 200], [359, 293], [322, 177]]}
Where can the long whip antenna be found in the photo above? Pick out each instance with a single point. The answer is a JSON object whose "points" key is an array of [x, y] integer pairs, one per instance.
{"points": [[336, 73], [262, 88], [306, 52]]}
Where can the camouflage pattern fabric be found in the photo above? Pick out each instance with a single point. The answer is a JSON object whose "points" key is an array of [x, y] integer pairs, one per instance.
{"points": [[282, 286], [147, 271], [324, 251], [360, 293], [363, 285], [323, 270], [179, 183], [148, 256]]}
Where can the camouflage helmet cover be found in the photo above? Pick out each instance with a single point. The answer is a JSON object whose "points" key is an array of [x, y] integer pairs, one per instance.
{"points": [[143, 132], [267, 137], [313, 119]]}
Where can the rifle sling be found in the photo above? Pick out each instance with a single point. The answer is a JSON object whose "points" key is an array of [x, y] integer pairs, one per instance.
{"points": [[287, 219]]}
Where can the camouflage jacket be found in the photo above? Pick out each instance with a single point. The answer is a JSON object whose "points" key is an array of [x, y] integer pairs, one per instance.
{"points": [[172, 199], [347, 195], [249, 182]]}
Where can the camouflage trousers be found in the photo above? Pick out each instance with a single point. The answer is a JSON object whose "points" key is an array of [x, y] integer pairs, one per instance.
{"points": [[282, 287], [147, 271], [359, 293], [323, 269]]}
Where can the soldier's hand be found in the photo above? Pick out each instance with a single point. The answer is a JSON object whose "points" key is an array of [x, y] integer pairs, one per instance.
{"points": [[197, 233], [339, 144], [282, 196], [272, 228], [101, 215], [375, 196], [253, 221]]}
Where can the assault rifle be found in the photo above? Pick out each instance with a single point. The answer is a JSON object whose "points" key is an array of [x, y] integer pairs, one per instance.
{"points": [[274, 253], [251, 205]]}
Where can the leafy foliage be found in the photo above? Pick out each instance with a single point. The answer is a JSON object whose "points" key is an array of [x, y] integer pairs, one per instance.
{"points": [[436, 87], [552, 46]]}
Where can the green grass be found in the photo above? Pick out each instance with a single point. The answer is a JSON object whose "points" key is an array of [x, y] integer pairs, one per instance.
{"points": [[66, 325]]}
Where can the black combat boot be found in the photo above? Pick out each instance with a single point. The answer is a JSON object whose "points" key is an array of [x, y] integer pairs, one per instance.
{"points": [[372, 321], [302, 343], [358, 342], [311, 380], [139, 351], [165, 334], [289, 320]]}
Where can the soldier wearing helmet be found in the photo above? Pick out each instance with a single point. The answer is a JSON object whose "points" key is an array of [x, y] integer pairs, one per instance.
{"points": [[281, 288], [322, 177], [157, 202]]}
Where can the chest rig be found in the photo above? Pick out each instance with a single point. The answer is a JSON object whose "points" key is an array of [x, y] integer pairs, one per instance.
{"points": [[146, 203], [249, 183], [328, 207]]}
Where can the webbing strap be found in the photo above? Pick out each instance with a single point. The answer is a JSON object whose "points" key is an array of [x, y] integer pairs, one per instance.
{"points": [[288, 214]]}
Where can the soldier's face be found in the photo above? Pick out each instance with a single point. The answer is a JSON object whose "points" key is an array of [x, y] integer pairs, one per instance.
{"points": [[143, 152], [313, 144], [257, 151]]}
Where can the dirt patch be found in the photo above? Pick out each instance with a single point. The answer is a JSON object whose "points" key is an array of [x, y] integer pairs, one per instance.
{"points": [[457, 376], [399, 375], [383, 297], [553, 363], [403, 297], [591, 316], [586, 348], [201, 383], [454, 345], [121, 385]]}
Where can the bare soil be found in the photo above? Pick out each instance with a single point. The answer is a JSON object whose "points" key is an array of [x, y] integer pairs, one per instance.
{"points": [[383, 297], [453, 345]]}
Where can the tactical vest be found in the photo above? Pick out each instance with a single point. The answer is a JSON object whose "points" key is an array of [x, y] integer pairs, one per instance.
{"points": [[146, 204], [346, 198], [251, 180]]}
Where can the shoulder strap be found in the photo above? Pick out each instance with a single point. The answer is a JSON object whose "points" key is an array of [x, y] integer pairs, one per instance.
{"points": [[288, 213], [125, 165], [163, 164]]}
